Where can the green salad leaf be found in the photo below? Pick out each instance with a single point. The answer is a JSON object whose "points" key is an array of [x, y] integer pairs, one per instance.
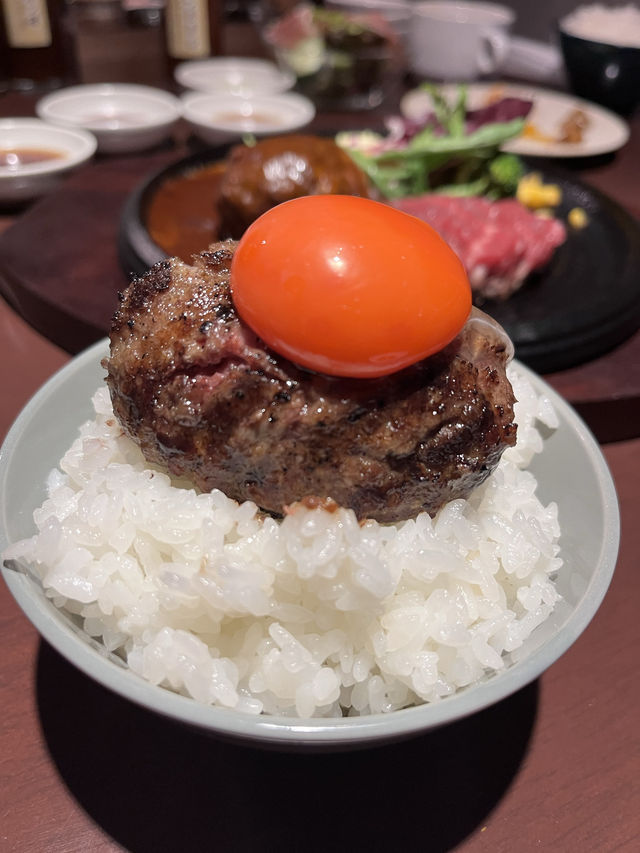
{"points": [[444, 159]]}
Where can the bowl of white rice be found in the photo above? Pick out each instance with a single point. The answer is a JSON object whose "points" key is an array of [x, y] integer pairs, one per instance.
{"points": [[601, 50], [312, 630]]}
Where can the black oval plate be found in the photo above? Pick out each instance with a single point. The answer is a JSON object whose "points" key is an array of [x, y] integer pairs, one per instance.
{"points": [[582, 304]]}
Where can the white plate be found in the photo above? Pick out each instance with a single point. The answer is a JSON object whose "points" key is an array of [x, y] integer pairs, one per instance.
{"points": [[123, 117], [571, 470], [605, 131], [234, 76]]}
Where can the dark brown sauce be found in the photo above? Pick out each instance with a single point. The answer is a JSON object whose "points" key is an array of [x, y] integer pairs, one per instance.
{"points": [[13, 158], [182, 216]]}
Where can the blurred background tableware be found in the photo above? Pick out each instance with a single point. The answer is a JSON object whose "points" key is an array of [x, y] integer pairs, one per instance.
{"points": [[558, 125], [397, 13], [341, 59], [221, 118], [601, 50], [534, 61], [120, 41], [34, 156], [193, 30], [458, 40], [36, 50], [123, 117], [234, 75]]}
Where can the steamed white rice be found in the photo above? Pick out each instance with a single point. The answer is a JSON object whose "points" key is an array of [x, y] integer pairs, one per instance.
{"points": [[617, 25], [315, 615]]}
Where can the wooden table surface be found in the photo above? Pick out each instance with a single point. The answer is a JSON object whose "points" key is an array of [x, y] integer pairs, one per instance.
{"points": [[555, 767]]}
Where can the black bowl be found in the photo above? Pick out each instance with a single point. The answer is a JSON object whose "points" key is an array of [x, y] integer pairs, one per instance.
{"points": [[608, 74]]}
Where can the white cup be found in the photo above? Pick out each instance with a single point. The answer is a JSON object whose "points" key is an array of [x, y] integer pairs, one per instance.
{"points": [[451, 40]]}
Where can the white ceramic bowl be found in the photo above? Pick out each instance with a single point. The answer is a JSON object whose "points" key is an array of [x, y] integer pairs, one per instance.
{"points": [[24, 182], [220, 118], [234, 76], [571, 470], [123, 117]]}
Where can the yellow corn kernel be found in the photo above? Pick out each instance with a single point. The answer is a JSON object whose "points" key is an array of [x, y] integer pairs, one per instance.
{"points": [[577, 217], [533, 193], [530, 131]]}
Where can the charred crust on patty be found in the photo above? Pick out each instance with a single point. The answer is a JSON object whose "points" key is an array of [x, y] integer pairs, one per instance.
{"points": [[141, 291], [219, 259], [206, 399]]}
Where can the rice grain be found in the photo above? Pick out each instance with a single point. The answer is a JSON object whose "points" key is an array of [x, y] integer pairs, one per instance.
{"points": [[313, 615]]}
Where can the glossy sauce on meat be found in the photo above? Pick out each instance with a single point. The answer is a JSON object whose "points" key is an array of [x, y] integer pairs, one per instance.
{"points": [[281, 168], [190, 211], [182, 215]]}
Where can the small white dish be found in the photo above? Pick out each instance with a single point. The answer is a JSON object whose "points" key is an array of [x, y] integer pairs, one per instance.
{"points": [[605, 131], [123, 117], [220, 118], [52, 152], [571, 471], [229, 75]]}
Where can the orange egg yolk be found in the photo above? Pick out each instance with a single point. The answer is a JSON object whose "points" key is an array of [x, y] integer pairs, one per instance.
{"points": [[348, 286]]}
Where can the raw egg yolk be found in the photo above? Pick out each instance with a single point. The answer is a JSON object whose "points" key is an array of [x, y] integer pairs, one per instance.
{"points": [[348, 286]]}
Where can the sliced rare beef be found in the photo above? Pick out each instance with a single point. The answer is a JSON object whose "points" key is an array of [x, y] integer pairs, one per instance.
{"points": [[201, 395], [499, 242]]}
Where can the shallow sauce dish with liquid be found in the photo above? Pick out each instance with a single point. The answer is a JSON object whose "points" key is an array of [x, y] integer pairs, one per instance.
{"points": [[35, 155], [217, 119]]}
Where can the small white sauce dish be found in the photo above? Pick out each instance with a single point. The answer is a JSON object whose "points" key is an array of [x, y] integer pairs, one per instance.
{"points": [[220, 118], [123, 117], [36, 155], [229, 75]]}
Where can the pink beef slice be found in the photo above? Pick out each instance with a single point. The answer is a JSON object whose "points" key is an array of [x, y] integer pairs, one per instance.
{"points": [[499, 242]]}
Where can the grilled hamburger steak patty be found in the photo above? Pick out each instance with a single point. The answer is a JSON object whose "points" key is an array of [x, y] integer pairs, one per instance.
{"points": [[279, 168], [201, 395]]}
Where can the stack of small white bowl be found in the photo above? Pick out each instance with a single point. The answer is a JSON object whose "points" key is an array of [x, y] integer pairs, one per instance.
{"points": [[227, 97]]}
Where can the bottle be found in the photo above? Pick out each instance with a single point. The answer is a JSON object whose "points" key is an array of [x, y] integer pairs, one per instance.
{"points": [[120, 41], [36, 47], [193, 29]]}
